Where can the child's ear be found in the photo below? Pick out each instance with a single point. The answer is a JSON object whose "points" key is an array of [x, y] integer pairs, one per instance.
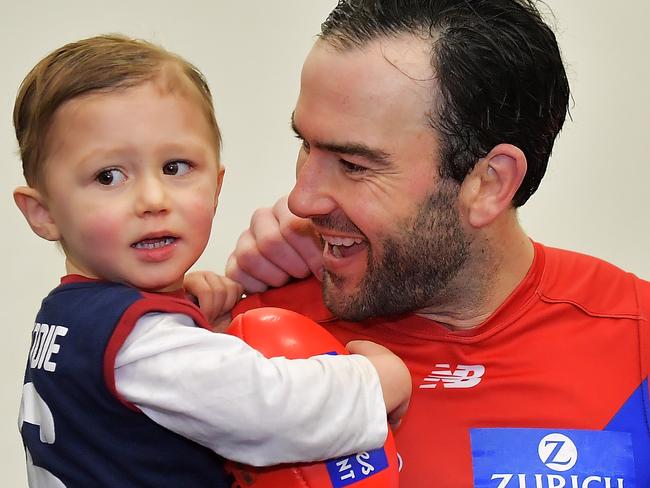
{"points": [[222, 172], [33, 206]]}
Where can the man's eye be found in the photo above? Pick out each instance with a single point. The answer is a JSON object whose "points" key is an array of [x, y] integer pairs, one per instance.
{"points": [[349, 167], [176, 168], [110, 177]]}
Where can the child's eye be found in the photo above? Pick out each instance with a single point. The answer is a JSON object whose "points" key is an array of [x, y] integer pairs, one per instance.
{"points": [[110, 177], [176, 168]]}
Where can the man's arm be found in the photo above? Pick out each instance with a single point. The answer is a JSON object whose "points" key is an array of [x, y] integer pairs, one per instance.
{"points": [[276, 247]]}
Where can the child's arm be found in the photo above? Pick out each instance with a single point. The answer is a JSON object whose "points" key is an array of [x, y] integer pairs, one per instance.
{"points": [[394, 376], [219, 392]]}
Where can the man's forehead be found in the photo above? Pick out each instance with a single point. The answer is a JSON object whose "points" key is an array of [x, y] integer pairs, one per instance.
{"points": [[388, 79], [383, 72], [407, 53]]}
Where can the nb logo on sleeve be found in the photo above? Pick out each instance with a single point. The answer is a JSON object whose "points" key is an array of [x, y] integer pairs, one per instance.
{"points": [[464, 376], [346, 470]]}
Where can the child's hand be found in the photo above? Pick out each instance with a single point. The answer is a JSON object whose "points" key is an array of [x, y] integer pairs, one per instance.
{"points": [[216, 295], [393, 374]]}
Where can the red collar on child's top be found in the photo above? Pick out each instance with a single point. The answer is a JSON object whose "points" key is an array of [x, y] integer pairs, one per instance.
{"points": [[76, 278]]}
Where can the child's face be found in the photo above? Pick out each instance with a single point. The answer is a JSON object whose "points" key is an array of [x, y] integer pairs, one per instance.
{"points": [[132, 180]]}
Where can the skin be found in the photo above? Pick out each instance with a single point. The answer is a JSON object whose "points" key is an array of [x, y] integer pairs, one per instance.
{"points": [[369, 164], [132, 184]]}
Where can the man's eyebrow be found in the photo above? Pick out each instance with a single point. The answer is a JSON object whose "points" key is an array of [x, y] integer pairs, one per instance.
{"points": [[353, 149]]}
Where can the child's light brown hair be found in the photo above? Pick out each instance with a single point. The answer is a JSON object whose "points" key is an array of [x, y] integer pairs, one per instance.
{"points": [[100, 63]]}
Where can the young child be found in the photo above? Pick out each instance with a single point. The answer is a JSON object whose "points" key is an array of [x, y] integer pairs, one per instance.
{"points": [[125, 385]]}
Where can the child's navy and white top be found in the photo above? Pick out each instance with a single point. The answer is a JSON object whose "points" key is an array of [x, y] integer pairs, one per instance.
{"points": [[127, 388]]}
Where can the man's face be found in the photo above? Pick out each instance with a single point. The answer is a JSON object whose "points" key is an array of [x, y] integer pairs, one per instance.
{"points": [[367, 177]]}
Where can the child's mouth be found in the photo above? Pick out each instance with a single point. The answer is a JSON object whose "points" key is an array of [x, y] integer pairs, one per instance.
{"points": [[154, 243]]}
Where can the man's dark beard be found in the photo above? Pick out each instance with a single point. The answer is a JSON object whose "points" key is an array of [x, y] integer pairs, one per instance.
{"points": [[416, 265]]}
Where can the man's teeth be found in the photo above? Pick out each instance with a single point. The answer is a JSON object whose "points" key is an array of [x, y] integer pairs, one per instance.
{"points": [[334, 244], [154, 243], [336, 251], [343, 241]]}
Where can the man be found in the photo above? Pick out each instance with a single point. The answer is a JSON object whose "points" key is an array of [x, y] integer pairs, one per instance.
{"points": [[425, 125]]}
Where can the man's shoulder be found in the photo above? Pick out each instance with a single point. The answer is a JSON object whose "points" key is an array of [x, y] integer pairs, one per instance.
{"points": [[302, 296], [597, 286]]}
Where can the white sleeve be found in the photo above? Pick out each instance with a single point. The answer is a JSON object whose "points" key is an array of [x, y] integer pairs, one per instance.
{"points": [[216, 390]]}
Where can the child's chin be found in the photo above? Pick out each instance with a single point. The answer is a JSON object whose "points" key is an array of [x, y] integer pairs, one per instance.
{"points": [[157, 286]]}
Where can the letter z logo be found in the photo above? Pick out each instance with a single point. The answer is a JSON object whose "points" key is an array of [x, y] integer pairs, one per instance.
{"points": [[464, 376], [557, 452]]}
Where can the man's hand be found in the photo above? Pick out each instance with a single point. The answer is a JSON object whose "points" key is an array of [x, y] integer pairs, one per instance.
{"points": [[276, 247], [216, 295]]}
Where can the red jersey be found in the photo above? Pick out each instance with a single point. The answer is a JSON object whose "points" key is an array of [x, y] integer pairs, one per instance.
{"points": [[550, 391]]}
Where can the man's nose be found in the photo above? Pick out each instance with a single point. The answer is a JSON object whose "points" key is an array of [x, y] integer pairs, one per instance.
{"points": [[312, 194]]}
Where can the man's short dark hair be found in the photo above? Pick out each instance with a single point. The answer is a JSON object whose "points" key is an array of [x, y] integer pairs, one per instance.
{"points": [[497, 67]]}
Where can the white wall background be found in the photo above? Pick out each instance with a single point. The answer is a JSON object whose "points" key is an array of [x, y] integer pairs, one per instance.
{"points": [[594, 198]]}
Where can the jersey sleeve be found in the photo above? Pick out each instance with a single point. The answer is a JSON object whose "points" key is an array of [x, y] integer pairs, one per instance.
{"points": [[219, 392], [643, 288]]}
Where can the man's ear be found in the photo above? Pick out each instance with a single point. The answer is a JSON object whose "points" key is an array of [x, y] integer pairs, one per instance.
{"points": [[222, 172], [33, 206], [489, 188]]}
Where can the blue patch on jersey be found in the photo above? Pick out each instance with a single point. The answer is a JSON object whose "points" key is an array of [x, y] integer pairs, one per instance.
{"points": [[632, 418], [346, 470], [543, 458]]}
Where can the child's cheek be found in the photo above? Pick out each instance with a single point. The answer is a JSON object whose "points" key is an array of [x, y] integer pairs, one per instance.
{"points": [[103, 228], [200, 215]]}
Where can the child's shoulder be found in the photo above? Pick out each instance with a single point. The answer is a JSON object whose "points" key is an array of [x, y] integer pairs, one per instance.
{"points": [[79, 300]]}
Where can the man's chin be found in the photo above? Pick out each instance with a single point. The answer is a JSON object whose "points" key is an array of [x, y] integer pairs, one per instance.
{"points": [[343, 305], [335, 295]]}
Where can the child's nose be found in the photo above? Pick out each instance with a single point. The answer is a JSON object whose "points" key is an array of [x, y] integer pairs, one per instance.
{"points": [[151, 196]]}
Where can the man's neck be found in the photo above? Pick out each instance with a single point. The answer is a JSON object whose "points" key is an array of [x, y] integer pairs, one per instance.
{"points": [[497, 267]]}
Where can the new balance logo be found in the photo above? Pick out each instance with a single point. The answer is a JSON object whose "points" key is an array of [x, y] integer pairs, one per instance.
{"points": [[464, 376]]}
